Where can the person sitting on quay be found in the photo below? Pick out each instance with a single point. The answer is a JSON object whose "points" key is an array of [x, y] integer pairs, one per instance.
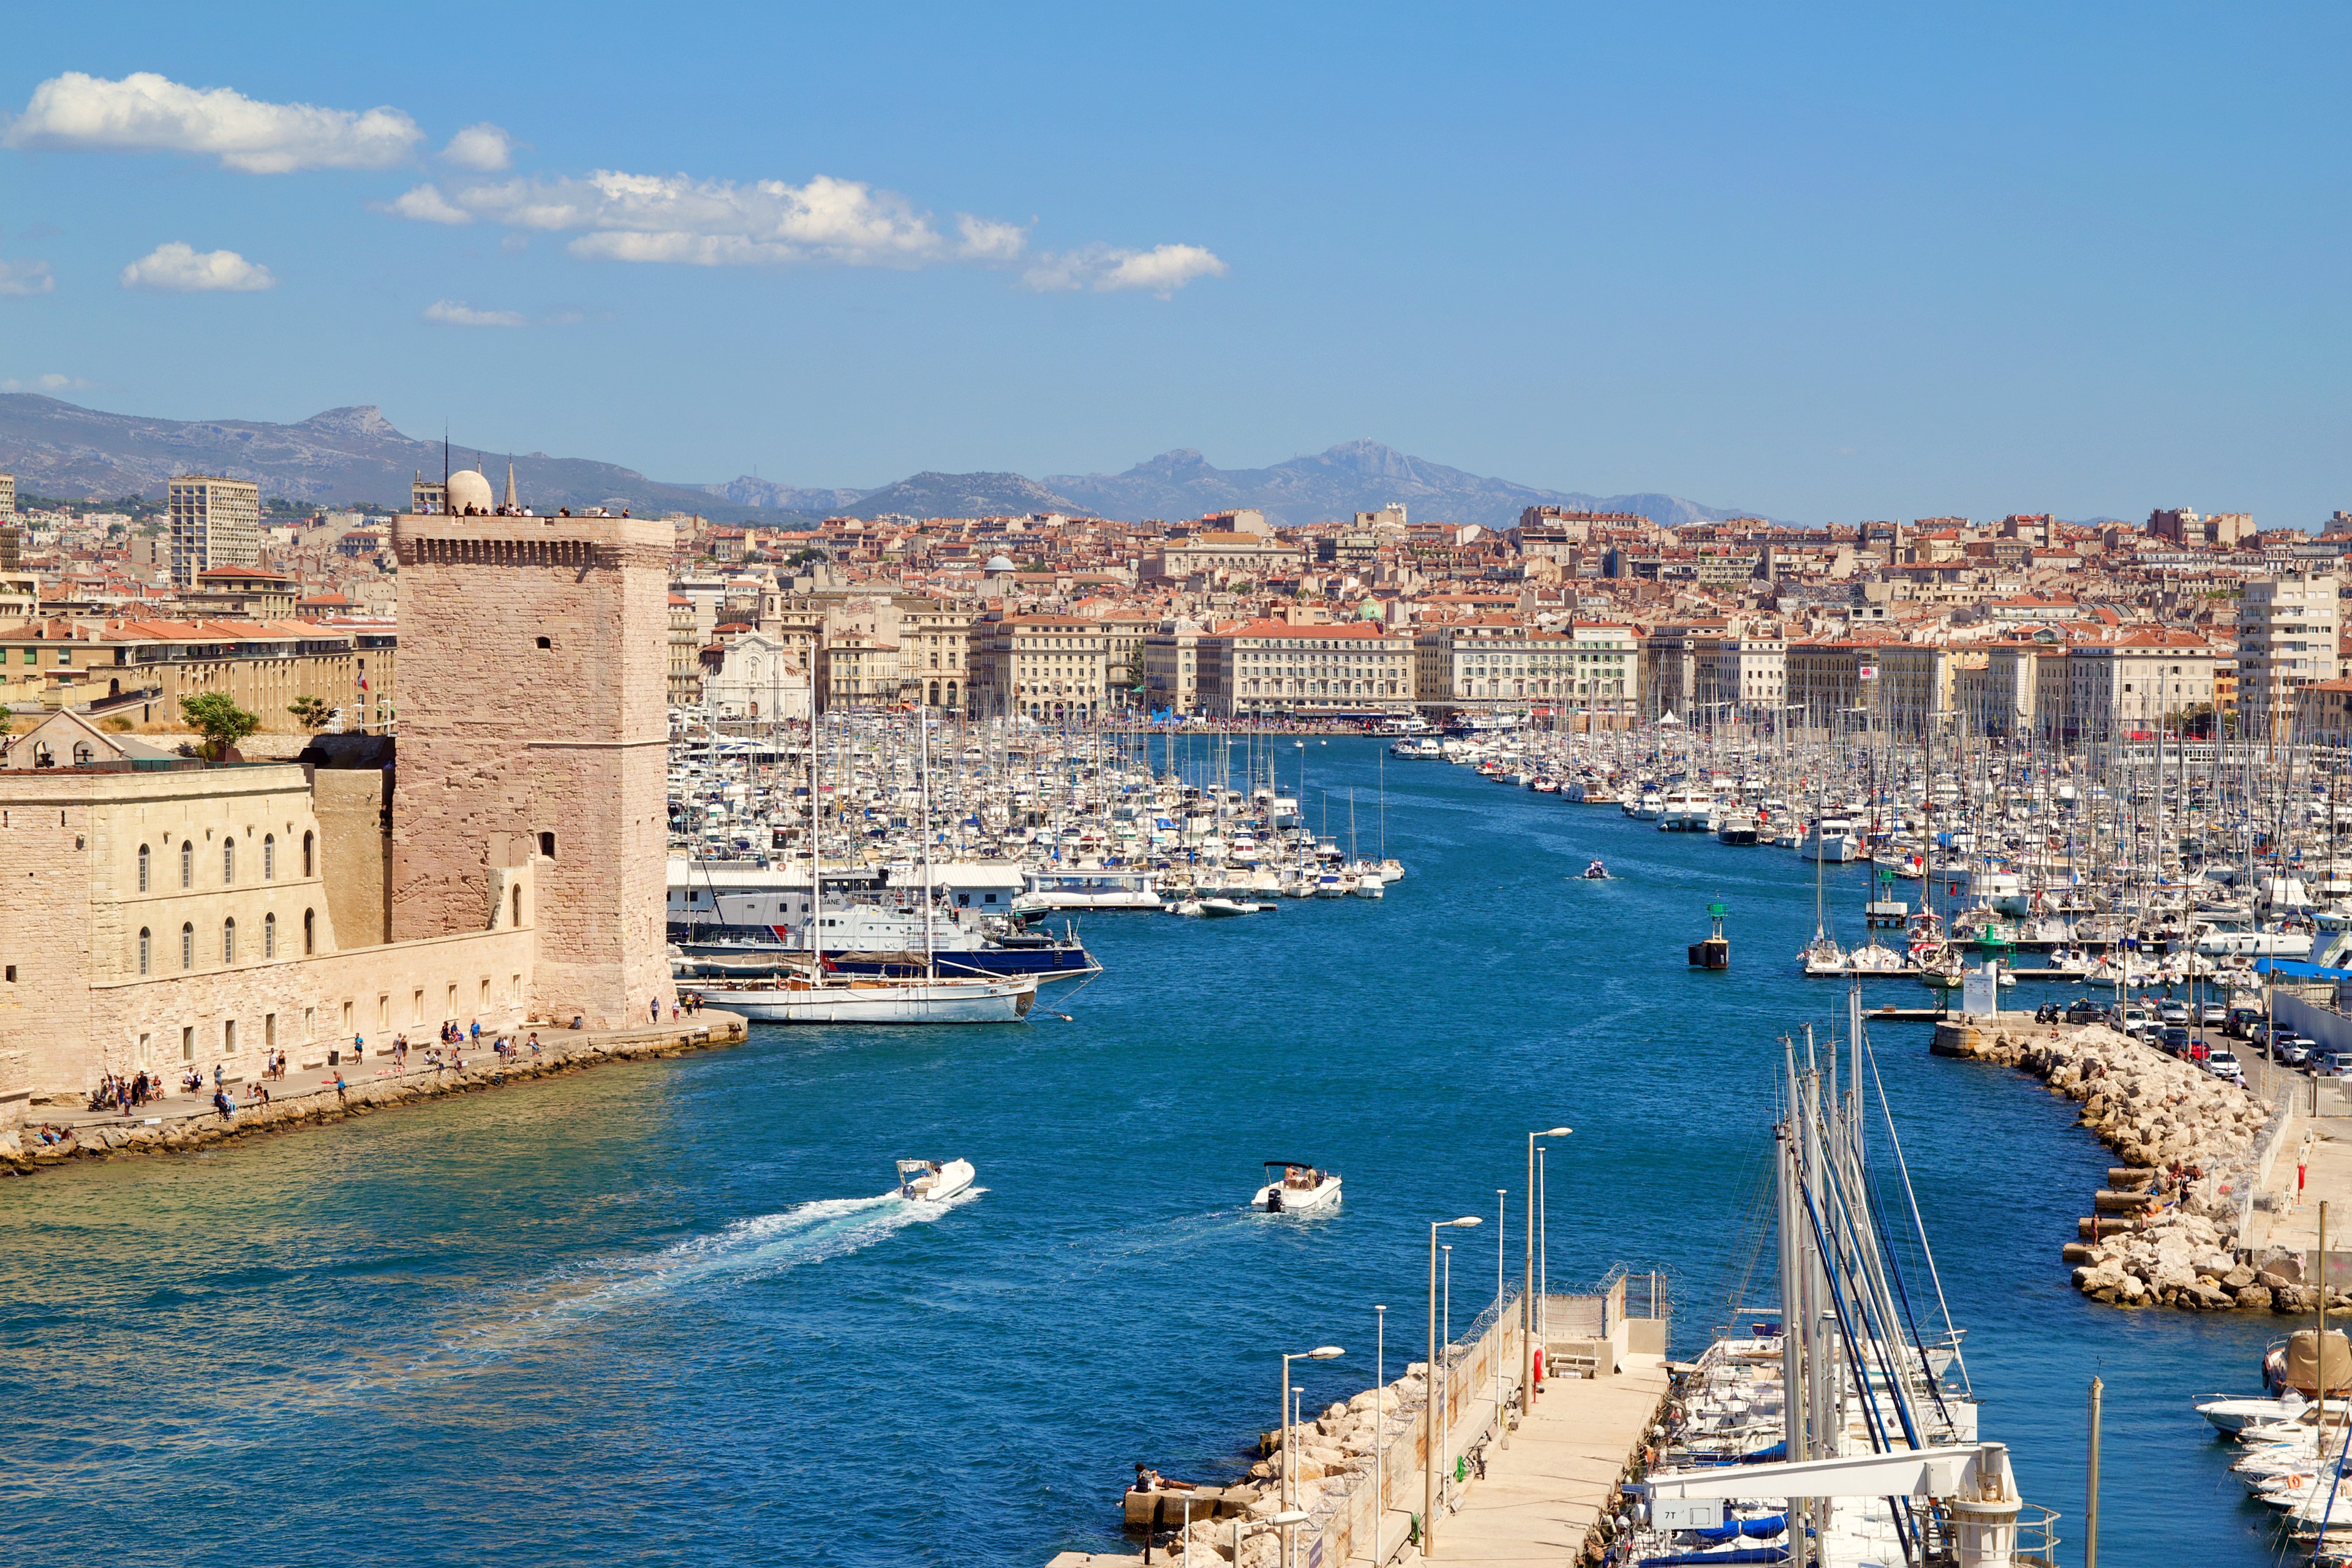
{"points": [[1147, 1479], [221, 1104]]}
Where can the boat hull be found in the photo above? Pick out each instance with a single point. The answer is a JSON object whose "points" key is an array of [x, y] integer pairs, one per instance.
{"points": [[933, 1001]]}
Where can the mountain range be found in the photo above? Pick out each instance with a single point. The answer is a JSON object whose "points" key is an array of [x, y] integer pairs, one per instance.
{"points": [[350, 455]]}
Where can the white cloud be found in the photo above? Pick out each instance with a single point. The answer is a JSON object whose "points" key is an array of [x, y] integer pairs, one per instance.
{"points": [[22, 278], [425, 203], [178, 268], [483, 146], [1162, 269], [989, 239], [145, 112], [457, 313], [677, 218], [51, 382]]}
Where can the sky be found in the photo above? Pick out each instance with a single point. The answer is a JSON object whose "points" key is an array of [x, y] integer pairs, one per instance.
{"points": [[1820, 263]]}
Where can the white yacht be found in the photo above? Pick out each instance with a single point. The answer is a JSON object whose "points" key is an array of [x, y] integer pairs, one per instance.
{"points": [[1298, 1189], [933, 1181], [1686, 809], [1831, 838]]}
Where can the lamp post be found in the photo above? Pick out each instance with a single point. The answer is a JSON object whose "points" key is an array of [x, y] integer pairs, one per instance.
{"points": [[1289, 1486], [1502, 1233], [1380, 1422], [1526, 1296], [1431, 1416], [1282, 1521], [1543, 1271]]}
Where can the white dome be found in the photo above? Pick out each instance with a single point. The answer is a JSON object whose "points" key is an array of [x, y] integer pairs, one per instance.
{"points": [[1000, 564], [468, 489]]}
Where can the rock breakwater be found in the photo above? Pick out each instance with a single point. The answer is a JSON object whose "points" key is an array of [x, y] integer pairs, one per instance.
{"points": [[2166, 1233]]}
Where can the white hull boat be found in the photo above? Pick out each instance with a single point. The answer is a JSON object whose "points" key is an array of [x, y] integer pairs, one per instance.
{"points": [[933, 1181], [1005, 1001], [1299, 1189]]}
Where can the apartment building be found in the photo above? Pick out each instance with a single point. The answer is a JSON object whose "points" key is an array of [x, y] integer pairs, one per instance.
{"points": [[1606, 667], [1172, 681], [2287, 628], [2115, 689], [1495, 662], [1277, 669], [1741, 679], [214, 522], [1047, 668]]}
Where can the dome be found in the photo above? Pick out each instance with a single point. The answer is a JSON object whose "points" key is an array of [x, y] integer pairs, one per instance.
{"points": [[1000, 564], [468, 489]]}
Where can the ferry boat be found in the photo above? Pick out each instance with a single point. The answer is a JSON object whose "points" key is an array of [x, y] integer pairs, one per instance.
{"points": [[1091, 888]]}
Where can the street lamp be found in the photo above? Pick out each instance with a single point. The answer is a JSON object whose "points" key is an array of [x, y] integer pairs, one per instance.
{"points": [[1432, 1434], [1502, 1234], [1380, 1423], [1527, 1294], [1289, 1486]]}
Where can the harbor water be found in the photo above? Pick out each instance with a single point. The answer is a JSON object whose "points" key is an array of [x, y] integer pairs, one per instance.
{"points": [[657, 1312]]}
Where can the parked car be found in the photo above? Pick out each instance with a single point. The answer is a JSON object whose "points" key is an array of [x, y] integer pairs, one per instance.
{"points": [[2213, 1015], [2243, 1018], [2082, 1010], [2329, 1064], [2135, 1021], [2176, 1040], [2291, 1050], [2224, 1065], [2259, 1034], [2172, 1011]]}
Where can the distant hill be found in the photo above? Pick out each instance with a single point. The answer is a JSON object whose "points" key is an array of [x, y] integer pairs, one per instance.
{"points": [[354, 455], [1355, 476], [56, 449]]}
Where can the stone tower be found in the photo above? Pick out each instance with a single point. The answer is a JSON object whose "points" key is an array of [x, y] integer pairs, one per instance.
{"points": [[533, 731]]}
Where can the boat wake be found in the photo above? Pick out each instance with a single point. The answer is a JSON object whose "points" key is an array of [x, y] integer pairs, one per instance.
{"points": [[761, 1245]]}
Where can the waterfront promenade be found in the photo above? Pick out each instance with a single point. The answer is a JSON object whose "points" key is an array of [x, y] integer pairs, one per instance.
{"points": [[308, 1095]]}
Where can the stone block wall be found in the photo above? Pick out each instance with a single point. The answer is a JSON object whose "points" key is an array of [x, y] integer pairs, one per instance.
{"points": [[534, 729], [350, 803]]}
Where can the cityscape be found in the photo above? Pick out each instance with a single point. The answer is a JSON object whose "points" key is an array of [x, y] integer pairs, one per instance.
{"points": [[550, 1012]]}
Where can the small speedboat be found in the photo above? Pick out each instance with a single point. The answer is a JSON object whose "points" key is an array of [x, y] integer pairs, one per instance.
{"points": [[932, 1181], [1597, 872], [1225, 909], [1296, 1188], [2231, 1416]]}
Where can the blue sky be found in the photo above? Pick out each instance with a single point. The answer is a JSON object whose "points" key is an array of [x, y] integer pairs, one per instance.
{"points": [[1826, 263]]}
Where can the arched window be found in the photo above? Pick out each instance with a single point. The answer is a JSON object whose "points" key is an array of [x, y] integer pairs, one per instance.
{"points": [[269, 936], [228, 861], [142, 868], [518, 906], [146, 951], [187, 947], [270, 856], [305, 854], [309, 931], [228, 940], [188, 862]]}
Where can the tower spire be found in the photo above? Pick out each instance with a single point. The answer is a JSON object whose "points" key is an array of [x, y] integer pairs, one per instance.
{"points": [[511, 494]]}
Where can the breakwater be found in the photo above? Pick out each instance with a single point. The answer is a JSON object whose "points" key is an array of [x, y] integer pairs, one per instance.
{"points": [[184, 1124], [2167, 1230]]}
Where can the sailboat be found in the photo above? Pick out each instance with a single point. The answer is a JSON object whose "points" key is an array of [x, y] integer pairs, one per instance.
{"points": [[1829, 1434], [822, 997]]}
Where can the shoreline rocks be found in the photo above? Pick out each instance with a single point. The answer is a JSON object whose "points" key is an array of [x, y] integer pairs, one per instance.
{"points": [[2166, 1231], [23, 1155]]}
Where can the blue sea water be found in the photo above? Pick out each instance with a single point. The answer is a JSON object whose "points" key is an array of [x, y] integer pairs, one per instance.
{"points": [[655, 1314]]}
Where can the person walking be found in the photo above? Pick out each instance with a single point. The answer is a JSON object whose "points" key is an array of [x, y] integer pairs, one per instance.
{"points": [[653, 1011], [339, 1097]]}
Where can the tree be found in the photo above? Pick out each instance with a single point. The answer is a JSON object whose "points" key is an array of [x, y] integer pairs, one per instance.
{"points": [[216, 717], [310, 712]]}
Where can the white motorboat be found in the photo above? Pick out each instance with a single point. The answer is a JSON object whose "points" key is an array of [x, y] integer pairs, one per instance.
{"points": [[1831, 838], [2231, 1416], [1687, 810], [932, 1181], [1226, 908], [1298, 1189]]}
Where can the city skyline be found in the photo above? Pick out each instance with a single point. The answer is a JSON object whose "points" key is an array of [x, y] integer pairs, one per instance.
{"points": [[1820, 268]]}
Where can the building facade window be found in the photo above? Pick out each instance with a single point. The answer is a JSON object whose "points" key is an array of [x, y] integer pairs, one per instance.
{"points": [[142, 868], [228, 940], [188, 862], [309, 932], [187, 947], [146, 951], [228, 862], [306, 856], [269, 936], [269, 857]]}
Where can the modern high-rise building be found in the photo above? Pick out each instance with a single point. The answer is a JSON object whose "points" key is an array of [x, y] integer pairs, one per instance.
{"points": [[214, 522], [7, 498], [2286, 641]]}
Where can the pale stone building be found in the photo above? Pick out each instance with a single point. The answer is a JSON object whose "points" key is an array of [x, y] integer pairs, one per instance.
{"points": [[2288, 628], [1277, 669]]}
